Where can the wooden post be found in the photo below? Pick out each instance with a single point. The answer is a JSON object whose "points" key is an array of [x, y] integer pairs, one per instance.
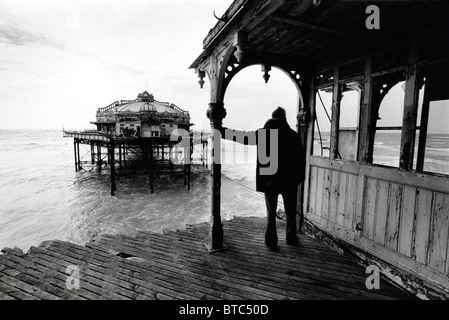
{"points": [[410, 113], [335, 125], [309, 102], [366, 132], [423, 125], [303, 123], [216, 113], [74, 151]]}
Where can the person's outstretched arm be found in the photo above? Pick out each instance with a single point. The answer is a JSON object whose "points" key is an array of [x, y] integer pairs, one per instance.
{"points": [[243, 137]]}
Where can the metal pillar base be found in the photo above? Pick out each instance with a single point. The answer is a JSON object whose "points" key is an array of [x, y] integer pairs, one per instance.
{"points": [[214, 250]]}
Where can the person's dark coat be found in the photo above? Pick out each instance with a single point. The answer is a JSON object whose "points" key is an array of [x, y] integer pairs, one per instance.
{"points": [[290, 166], [290, 158]]}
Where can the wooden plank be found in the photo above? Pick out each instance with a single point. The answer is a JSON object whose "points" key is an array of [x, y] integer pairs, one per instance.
{"points": [[424, 273], [177, 265], [407, 220], [334, 196], [351, 202], [207, 276], [277, 268], [342, 212], [413, 179], [327, 177], [422, 225], [4, 296], [393, 216], [381, 212], [319, 192], [23, 286], [439, 233], [139, 274], [16, 292], [369, 212], [35, 278], [312, 189], [55, 283]]}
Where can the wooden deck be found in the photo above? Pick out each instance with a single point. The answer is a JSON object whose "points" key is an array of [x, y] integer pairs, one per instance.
{"points": [[176, 265]]}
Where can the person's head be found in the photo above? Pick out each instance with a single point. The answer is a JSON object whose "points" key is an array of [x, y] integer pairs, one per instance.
{"points": [[279, 113]]}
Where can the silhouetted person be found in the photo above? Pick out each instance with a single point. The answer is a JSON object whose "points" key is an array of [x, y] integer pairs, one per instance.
{"points": [[279, 170]]}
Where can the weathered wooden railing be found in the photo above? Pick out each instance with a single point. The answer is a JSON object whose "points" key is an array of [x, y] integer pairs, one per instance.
{"points": [[399, 216]]}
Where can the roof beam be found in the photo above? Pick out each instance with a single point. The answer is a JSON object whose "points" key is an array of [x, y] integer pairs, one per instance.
{"points": [[309, 26]]}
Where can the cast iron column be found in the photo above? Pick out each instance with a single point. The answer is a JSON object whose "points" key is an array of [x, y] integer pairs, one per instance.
{"points": [[216, 113]]}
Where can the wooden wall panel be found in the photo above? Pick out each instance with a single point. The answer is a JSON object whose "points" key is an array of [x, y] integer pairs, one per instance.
{"points": [[312, 189], [422, 225], [406, 220], [342, 212], [393, 216], [402, 216], [351, 202], [381, 212], [327, 176], [334, 195], [319, 192], [439, 233], [370, 208]]}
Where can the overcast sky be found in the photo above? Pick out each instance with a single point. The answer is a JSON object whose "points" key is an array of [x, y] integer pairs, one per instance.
{"points": [[60, 60]]}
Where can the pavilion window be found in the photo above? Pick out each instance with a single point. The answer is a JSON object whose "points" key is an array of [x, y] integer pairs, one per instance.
{"points": [[349, 121], [323, 102], [387, 120], [432, 154]]}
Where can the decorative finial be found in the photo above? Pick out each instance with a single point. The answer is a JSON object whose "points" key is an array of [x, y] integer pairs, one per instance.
{"points": [[266, 68], [220, 19]]}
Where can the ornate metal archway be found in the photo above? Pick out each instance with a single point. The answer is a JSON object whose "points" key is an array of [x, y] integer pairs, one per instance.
{"points": [[221, 67]]}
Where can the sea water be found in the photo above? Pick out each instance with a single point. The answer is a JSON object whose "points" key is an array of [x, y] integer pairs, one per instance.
{"points": [[43, 198]]}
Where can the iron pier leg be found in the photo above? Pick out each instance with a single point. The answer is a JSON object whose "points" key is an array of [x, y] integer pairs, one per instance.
{"points": [[92, 153], [120, 156], [112, 164], [78, 155], [74, 151], [99, 160], [151, 168]]}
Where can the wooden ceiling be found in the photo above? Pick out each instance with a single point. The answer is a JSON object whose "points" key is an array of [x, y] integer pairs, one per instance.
{"points": [[334, 30]]}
